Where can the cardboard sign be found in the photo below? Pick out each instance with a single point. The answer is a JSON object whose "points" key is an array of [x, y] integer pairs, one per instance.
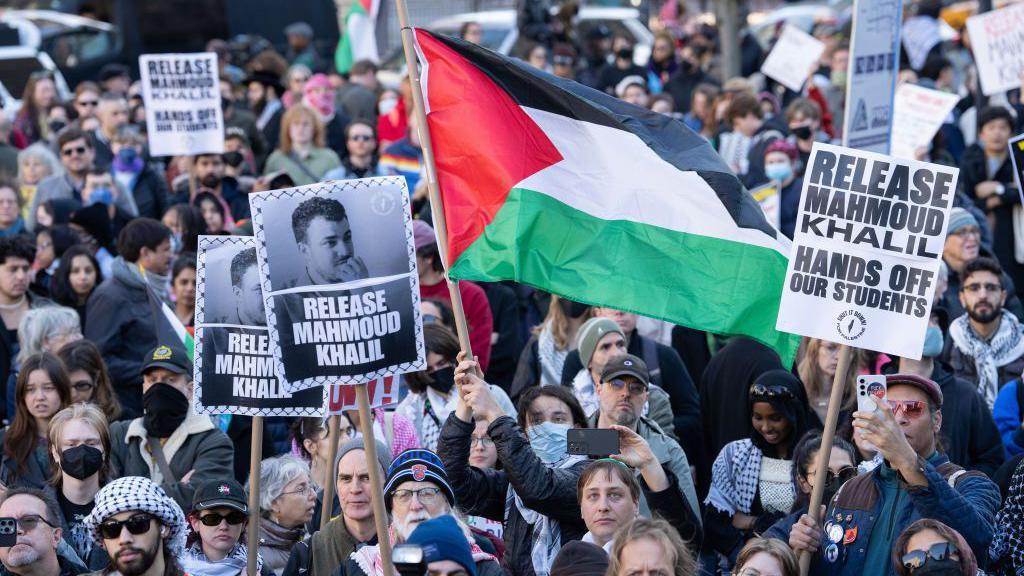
{"points": [[382, 392], [182, 96], [919, 113], [767, 196], [997, 40], [1017, 158], [866, 250], [794, 56], [234, 372], [872, 74], [338, 270]]}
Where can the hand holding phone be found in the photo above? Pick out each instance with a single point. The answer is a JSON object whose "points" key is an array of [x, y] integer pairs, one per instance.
{"points": [[869, 386], [593, 442]]}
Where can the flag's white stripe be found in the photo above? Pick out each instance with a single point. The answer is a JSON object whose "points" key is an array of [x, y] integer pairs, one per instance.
{"points": [[612, 175], [353, 285], [176, 324]]}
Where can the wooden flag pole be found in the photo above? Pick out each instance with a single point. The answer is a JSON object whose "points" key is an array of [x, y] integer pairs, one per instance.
{"points": [[835, 402], [333, 434], [255, 457], [380, 514], [433, 190]]}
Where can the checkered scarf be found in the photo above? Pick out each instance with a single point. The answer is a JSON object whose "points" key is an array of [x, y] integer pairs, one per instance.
{"points": [[734, 477], [137, 493], [1008, 542]]}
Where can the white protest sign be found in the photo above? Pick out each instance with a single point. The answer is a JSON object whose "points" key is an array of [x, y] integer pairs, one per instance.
{"points": [[182, 96], [997, 40], [866, 250], [382, 392], [919, 113], [767, 196], [871, 77], [791, 60]]}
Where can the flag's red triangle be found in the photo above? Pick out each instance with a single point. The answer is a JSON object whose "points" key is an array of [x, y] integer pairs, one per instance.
{"points": [[483, 142]]}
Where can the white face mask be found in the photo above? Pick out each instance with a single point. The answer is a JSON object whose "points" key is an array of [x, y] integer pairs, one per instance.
{"points": [[386, 106]]}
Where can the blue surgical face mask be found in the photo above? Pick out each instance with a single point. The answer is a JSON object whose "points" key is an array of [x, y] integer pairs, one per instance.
{"points": [[548, 441], [932, 342], [127, 155], [102, 195], [779, 172]]}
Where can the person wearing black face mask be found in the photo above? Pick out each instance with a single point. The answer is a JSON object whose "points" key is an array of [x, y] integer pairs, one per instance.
{"points": [[543, 359], [930, 548], [432, 393], [622, 66], [170, 444], [79, 445], [803, 117]]}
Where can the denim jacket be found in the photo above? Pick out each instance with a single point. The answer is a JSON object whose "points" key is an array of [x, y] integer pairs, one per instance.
{"points": [[968, 505]]}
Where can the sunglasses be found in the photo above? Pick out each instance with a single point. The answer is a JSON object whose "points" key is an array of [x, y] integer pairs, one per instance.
{"points": [[360, 138], [917, 558], [79, 150], [87, 102], [83, 385], [138, 524], [837, 479], [912, 408], [771, 391], [234, 518], [635, 388], [29, 522]]}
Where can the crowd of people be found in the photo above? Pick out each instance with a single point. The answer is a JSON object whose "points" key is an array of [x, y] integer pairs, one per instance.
{"points": [[107, 469]]}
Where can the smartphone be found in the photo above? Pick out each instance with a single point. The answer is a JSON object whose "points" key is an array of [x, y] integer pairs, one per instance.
{"points": [[8, 532], [593, 442], [868, 386]]}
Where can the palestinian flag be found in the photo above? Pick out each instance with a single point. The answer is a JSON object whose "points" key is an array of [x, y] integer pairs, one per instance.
{"points": [[359, 35], [170, 330], [552, 184]]}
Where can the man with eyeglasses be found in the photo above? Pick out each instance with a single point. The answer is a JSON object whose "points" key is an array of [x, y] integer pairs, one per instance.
{"points": [[141, 528], [964, 236], [219, 514], [986, 345], [37, 549], [77, 154], [622, 391], [416, 491], [915, 480]]}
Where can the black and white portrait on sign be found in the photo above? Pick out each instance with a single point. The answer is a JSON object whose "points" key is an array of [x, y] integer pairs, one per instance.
{"points": [[338, 271], [235, 372]]}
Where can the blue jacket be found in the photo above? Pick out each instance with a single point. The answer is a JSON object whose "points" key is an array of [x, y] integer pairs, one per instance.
{"points": [[969, 508], [1006, 414]]}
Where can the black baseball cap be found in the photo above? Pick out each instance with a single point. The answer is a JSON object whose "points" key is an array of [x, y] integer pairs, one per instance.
{"points": [[626, 365], [220, 494], [170, 357]]}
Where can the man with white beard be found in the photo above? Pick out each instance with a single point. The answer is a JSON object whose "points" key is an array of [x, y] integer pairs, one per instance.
{"points": [[38, 536], [417, 490]]}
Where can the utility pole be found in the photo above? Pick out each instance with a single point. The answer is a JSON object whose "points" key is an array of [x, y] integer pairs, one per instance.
{"points": [[728, 15], [981, 100]]}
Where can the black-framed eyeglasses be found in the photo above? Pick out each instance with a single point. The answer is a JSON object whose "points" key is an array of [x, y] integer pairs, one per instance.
{"points": [[988, 286], [79, 150], [137, 524], [635, 388], [771, 391], [426, 495], [29, 522], [234, 518], [361, 137], [83, 385], [917, 558], [89, 103]]}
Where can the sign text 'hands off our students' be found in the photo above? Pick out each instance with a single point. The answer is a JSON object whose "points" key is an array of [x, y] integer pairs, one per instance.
{"points": [[864, 261], [183, 104]]}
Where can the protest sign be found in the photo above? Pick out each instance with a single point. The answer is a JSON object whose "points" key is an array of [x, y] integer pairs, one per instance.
{"points": [[182, 97], [234, 370], [791, 60], [871, 77], [382, 392], [1017, 157], [338, 270], [919, 113], [997, 40], [866, 250], [767, 196]]}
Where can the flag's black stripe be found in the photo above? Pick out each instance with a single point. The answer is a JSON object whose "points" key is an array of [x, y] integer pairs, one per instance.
{"points": [[669, 138]]}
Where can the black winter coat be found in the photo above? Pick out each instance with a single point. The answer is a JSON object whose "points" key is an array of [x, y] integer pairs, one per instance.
{"points": [[969, 436], [551, 492], [150, 193], [973, 171]]}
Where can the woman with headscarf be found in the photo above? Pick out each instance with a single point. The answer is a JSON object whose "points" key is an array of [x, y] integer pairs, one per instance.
{"points": [[1007, 550], [751, 480]]}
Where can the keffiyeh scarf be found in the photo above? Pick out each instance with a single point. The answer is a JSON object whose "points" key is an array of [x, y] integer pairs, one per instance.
{"points": [[547, 533], [138, 493], [1005, 346], [194, 561], [734, 477], [1008, 543], [551, 358]]}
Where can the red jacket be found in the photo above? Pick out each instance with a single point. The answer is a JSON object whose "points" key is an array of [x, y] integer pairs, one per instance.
{"points": [[478, 315]]}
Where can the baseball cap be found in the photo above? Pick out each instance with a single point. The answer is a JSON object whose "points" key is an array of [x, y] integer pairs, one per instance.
{"points": [[169, 357], [625, 365], [925, 385], [220, 493]]}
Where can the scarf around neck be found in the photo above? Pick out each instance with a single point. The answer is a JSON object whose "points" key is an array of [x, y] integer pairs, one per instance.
{"points": [[194, 561], [734, 477], [551, 358], [1005, 346], [368, 557]]}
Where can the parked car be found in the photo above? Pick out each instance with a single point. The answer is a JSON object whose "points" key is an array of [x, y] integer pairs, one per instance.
{"points": [[76, 46], [17, 63]]}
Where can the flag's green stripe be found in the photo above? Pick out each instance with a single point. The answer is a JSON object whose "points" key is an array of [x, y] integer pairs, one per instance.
{"points": [[705, 283]]}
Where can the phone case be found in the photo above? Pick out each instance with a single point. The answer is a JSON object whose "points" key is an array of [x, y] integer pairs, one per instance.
{"points": [[868, 386]]}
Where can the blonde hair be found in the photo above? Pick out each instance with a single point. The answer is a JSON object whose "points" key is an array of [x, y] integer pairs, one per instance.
{"points": [[812, 376], [92, 415], [292, 115], [558, 323], [658, 531], [774, 548]]}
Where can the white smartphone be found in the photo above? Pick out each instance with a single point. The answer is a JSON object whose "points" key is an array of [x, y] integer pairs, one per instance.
{"points": [[868, 386]]}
